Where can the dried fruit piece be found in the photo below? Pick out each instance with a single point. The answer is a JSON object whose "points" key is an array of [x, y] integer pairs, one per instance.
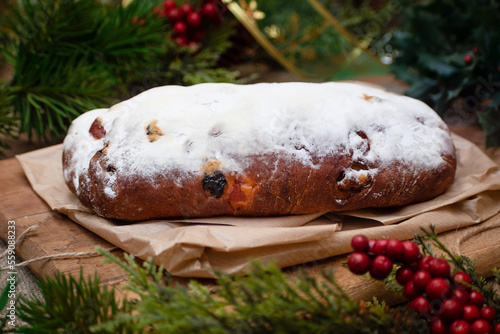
{"points": [[97, 129], [153, 131], [215, 184]]}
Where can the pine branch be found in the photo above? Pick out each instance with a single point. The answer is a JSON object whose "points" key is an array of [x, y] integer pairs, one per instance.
{"points": [[70, 305], [8, 122], [264, 301]]}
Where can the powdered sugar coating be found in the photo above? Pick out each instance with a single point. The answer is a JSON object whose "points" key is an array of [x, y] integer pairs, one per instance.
{"points": [[219, 122]]}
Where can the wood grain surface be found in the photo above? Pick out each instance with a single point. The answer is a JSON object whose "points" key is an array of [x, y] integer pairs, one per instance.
{"points": [[57, 234]]}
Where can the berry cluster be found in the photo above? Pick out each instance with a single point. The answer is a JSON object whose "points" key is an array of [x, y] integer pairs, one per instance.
{"points": [[189, 23], [447, 301]]}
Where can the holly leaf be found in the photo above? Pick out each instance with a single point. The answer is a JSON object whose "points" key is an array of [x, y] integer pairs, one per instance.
{"points": [[421, 87], [453, 93], [438, 65]]}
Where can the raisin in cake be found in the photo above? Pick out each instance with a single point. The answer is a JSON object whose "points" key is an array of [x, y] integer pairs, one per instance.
{"points": [[257, 150]]}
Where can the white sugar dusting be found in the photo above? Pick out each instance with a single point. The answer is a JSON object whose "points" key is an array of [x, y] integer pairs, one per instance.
{"points": [[220, 121]]}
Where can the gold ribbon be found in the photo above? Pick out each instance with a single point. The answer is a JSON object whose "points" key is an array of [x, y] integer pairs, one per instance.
{"points": [[249, 22]]}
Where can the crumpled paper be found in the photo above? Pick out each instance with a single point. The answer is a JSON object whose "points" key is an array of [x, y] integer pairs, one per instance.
{"points": [[197, 247]]}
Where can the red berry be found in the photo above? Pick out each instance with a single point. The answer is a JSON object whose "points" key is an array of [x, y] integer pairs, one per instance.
{"points": [[475, 50], [174, 14], [381, 267], [476, 298], [194, 19], [209, 11], [438, 326], [360, 243], [404, 275], [409, 291], [480, 326], [194, 46], [181, 40], [460, 327], [437, 288], [186, 9], [169, 4], [468, 59], [379, 247], [135, 19], [439, 268], [496, 329], [420, 305], [180, 28], [488, 313], [358, 263], [394, 250], [410, 252], [421, 279], [471, 313], [461, 295], [424, 261], [451, 310], [462, 280]]}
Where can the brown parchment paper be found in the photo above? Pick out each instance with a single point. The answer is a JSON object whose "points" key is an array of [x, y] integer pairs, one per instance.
{"points": [[196, 247]]}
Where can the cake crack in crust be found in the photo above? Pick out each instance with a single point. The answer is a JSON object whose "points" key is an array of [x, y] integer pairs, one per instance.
{"points": [[257, 150]]}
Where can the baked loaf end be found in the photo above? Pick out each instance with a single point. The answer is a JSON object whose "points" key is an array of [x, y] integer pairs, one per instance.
{"points": [[257, 150]]}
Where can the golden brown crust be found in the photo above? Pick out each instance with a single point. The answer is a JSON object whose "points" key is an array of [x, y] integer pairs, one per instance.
{"points": [[271, 186]]}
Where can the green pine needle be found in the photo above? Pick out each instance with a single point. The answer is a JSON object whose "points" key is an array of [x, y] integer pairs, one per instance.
{"points": [[71, 305]]}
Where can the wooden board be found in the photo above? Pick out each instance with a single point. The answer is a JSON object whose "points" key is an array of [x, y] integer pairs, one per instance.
{"points": [[57, 234]]}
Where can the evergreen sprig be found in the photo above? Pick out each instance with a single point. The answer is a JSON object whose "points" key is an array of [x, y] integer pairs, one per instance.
{"points": [[8, 122], [71, 305], [264, 301]]}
